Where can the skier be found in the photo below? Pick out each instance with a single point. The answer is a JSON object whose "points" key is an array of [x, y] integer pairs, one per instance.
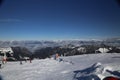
{"points": [[30, 58], [57, 55], [20, 62], [4, 59], [20, 59]]}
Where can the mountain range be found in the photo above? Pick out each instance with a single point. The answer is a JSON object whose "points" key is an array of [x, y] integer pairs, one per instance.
{"points": [[35, 44]]}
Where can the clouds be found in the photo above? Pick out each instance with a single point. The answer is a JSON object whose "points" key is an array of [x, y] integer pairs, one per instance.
{"points": [[10, 20]]}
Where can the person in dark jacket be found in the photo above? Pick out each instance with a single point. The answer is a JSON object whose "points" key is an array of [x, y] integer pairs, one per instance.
{"points": [[111, 78]]}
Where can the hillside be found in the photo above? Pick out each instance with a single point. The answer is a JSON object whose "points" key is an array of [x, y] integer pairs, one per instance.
{"points": [[82, 67]]}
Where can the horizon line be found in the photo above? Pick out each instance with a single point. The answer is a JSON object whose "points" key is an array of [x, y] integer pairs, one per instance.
{"points": [[82, 39]]}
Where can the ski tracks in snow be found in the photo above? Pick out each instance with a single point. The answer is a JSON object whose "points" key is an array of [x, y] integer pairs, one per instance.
{"points": [[45, 69]]}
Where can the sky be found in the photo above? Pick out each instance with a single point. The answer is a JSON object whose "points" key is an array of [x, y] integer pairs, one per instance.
{"points": [[59, 19]]}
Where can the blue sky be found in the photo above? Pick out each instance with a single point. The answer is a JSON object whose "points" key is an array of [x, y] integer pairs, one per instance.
{"points": [[59, 19]]}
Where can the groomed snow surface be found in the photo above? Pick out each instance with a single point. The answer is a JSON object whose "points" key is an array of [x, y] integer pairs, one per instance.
{"points": [[82, 67]]}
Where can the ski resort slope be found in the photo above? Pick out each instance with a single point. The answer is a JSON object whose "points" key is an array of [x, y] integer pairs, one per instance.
{"points": [[81, 67]]}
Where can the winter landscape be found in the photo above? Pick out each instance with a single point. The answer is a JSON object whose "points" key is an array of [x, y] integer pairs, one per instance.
{"points": [[59, 39], [82, 67], [78, 60]]}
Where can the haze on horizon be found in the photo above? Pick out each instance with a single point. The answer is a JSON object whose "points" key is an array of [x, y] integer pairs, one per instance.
{"points": [[59, 19]]}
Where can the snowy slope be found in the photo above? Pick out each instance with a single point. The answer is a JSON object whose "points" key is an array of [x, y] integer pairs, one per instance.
{"points": [[82, 67]]}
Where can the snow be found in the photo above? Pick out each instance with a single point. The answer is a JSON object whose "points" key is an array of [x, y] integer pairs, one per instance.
{"points": [[103, 50], [7, 49], [82, 67]]}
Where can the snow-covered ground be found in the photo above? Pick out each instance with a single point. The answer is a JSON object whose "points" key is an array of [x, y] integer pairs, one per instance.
{"points": [[82, 67]]}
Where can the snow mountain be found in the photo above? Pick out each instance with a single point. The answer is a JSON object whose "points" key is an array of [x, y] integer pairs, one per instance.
{"points": [[33, 45]]}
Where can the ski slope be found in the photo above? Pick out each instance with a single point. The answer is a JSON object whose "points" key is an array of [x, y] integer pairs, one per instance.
{"points": [[81, 67]]}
